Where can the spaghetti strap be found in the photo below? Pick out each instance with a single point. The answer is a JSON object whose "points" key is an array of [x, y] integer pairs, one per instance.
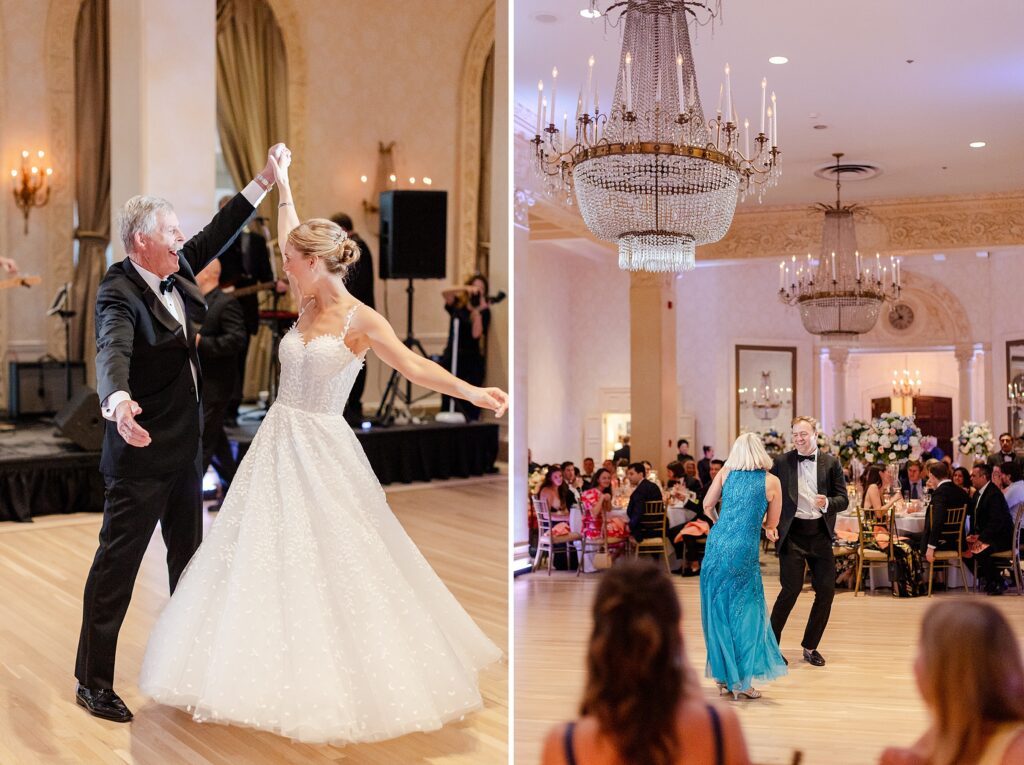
{"points": [[348, 319], [570, 756], [716, 725]]}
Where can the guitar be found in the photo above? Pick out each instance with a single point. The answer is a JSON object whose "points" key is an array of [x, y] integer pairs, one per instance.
{"points": [[20, 281], [250, 290]]}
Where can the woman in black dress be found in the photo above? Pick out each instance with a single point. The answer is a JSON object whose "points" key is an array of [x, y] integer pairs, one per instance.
{"points": [[469, 305]]}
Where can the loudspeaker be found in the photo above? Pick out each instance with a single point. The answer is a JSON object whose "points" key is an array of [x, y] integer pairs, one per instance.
{"points": [[81, 420], [413, 234], [39, 387]]}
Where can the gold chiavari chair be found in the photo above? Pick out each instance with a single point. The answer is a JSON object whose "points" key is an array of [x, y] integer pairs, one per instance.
{"points": [[546, 540], [1013, 554], [952, 533], [868, 553], [653, 529]]}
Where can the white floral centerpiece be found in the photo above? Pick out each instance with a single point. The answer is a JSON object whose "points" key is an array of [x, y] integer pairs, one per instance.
{"points": [[976, 438], [773, 442], [892, 438], [824, 442], [845, 439]]}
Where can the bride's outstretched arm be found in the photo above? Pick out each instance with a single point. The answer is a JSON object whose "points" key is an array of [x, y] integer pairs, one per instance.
{"points": [[421, 371], [287, 217]]}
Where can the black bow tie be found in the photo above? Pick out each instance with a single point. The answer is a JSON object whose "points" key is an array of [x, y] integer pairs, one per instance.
{"points": [[802, 457], [166, 285]]}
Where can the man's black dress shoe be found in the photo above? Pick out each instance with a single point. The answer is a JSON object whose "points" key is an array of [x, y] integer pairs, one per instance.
{"points": [[103, 702], [813, 657]]}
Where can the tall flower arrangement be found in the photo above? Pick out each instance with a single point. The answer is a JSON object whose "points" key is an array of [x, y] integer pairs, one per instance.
{"points": [[845, 439], [773, 441], [976, 438], [891, 438]]}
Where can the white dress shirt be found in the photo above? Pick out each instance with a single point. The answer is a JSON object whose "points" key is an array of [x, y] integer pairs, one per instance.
{"points": [[176, 306], [807, 493]]}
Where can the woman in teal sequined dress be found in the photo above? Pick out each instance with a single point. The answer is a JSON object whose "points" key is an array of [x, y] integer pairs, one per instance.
{"points": [[738, 635]]}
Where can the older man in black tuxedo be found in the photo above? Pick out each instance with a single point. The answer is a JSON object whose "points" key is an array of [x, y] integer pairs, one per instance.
{"points": [[946, 495], [813, 493], [148, 310], [991, 528]]}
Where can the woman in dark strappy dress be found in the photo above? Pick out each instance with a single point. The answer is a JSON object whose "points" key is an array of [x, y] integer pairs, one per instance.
{"points": [[642, 702]]}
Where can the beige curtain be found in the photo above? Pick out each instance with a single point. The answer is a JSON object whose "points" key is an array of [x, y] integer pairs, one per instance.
{"points": [[483, 215], [92, 173], [252, 115]]}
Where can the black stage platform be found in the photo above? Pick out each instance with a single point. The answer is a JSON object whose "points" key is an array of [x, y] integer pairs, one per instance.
{"points": [[42, 473]]}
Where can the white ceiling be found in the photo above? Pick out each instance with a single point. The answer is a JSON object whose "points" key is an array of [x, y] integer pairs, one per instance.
{"points": [[847, 65]]}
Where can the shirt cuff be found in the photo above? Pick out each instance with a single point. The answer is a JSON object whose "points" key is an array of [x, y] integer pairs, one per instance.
{"points": [[110, 404], [254, 193], [931, 547]]}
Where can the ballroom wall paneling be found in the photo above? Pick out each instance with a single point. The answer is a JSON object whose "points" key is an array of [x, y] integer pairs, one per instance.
{"points": [[386, 71]]}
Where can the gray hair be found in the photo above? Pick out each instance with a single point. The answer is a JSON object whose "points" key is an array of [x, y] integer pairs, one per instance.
{"points": [[138, 216]]}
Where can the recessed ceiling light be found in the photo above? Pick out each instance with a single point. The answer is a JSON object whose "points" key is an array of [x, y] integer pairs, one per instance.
{"points": [[976, 144], [545, 18], [821, 127], [778, 60], [590, 13], [939, 256]]}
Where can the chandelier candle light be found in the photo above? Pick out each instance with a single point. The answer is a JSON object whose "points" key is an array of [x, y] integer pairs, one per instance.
{"points": [[651, 174], [765, 400], [841, 294]]}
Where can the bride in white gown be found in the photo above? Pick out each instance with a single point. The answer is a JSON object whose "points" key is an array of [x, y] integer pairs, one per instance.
{"points": [[308, 611]]}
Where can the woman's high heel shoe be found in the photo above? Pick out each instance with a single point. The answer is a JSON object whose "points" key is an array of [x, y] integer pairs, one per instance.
{"points": [[750, 693], [722, 688]]}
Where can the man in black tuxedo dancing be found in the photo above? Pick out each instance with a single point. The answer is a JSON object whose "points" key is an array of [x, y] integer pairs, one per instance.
{"points": [[813, 492], [148, 309]]}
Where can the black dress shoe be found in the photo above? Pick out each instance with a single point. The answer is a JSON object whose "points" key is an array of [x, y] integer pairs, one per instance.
{"points": [[813, 657], [785, 660], [103, 702]]}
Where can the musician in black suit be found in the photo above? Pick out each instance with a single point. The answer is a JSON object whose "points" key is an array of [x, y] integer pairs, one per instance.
{"points": [[945, 495], [359, 281], [222, 338], [246, 263], [644, 491], [991, 528], [813, 493], [148, 308]]}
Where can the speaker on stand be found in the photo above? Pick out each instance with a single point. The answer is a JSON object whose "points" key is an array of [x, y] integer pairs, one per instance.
{"points": [[413, 245]]}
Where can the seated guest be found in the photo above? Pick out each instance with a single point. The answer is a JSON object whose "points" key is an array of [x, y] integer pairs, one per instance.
{"points": [[716, 465], [962, 477], [555, 492], [588, 472], [642, 702], [991, 528], [598, 511], [913, 484], [674, 473], [872, 484], [974, 694], [1005, 453], [906, 579], [644, 491], [221, 340], [683, 449], [1014, 489], [693, 481], [571, 479], [945, 495]]}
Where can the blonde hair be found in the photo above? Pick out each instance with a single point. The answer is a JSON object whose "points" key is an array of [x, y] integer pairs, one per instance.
{"points": [[748, 453], [323, 239], [969, 686], [804, 418]]}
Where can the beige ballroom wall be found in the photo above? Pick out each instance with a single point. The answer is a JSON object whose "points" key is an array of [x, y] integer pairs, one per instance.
{"points": [[360, 73]]}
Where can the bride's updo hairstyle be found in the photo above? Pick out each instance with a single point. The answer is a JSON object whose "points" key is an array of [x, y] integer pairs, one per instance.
{"points": [[320, 238]]}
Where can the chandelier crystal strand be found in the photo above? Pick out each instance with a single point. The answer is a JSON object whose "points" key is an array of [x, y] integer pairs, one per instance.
{"points": [[842, 295], [652, 175]]}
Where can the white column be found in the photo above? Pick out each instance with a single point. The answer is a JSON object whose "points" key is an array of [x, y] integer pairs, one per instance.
{"points": [[518, 442], [163, 116], [964, 353], [653, 406], [838, 357]]}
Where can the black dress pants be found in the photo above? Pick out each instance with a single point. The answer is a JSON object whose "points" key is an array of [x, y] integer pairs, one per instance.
{"points": [[130, 514], [807, 542]]}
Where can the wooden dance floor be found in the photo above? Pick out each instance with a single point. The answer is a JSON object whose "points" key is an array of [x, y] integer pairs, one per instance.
{"points": [[844, 713], [461, 527]]}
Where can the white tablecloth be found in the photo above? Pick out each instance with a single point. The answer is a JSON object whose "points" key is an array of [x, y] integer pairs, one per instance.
{"points": [[912, 523]]}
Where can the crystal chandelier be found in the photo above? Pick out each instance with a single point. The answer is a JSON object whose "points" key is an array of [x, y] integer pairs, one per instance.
{"points": [[1015, 393], [905, 385], [765, 401], [652, 175], [842, 294]]}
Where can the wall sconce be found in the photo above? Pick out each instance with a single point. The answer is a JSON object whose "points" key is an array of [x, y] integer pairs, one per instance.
{"points": [[385, 179], [31, 184]]}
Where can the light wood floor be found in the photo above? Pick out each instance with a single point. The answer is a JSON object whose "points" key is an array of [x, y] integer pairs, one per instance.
{"points": [[461, 527], [842, 714]]}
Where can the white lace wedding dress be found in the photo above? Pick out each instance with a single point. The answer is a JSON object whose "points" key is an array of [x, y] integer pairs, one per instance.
{"points": [[308, 611]]}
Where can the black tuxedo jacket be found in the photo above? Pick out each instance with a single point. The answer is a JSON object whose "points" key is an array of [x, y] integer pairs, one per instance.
{"points": [[946, 496], [831, 483], [142, 349], [246, 261], [645, 491], [992, 521], [221, 339], [998, 459]]}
